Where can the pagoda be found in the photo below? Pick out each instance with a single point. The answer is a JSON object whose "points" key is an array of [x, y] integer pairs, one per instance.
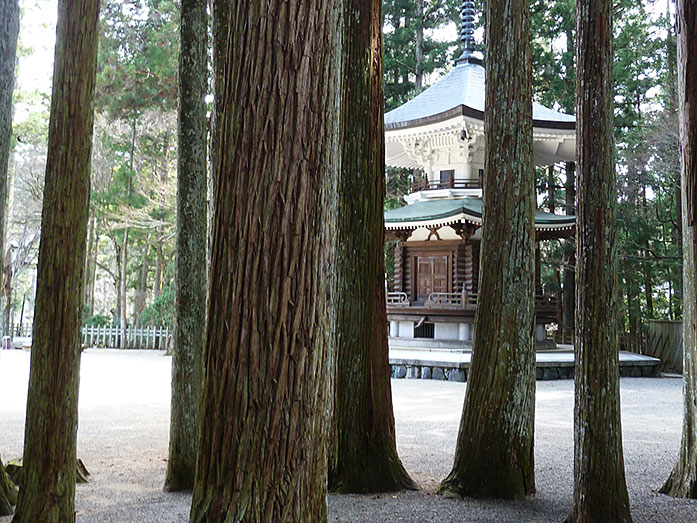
{"points": [[432, 300]]}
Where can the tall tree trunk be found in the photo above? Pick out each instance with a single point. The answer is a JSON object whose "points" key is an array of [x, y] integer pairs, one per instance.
{"points": [[142, 292], [569, 296], [123, 288], [263, 430], [117, 281], [494, 453], [159, 262], [88, 267], [671, 61], [648, 286], [93, 276], [7, 290], [50, 440], [600, 489], [632, 305], [683, 479], [190, 278], [9, 31], [160, 249], [648, 277], [219, 32], [419, 47], [363, 450]]}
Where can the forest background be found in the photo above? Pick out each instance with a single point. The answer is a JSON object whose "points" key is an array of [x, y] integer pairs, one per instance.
{"points": [[131, 229]]}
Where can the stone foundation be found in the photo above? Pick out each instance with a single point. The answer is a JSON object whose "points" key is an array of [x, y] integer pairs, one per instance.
{"points": [[459, 373]]}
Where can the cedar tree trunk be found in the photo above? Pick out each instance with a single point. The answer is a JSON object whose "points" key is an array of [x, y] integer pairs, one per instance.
{"points": [[600, 490], [494, 453], [220, 18], [363, 451], [190, 265], [48, 483], [683, 479], [569, 273], [9, 31], [123, 292], [264, 416]]}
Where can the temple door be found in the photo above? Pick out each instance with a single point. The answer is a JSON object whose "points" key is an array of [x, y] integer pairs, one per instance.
{"points": [[424, 277], [441, 271], [432, 275]]}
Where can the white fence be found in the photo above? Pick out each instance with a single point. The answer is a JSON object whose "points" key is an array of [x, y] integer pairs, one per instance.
{"points": [[136, 337], [107, 336]]}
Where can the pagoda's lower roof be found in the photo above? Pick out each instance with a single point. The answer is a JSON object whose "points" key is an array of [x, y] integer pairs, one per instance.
{"points": [[439, 213]]}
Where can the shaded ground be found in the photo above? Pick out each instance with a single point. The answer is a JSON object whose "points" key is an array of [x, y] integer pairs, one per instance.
{"points": [[124, 421]]}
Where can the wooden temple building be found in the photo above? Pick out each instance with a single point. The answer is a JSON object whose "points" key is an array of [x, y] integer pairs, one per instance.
{"points": [[432, 299]]}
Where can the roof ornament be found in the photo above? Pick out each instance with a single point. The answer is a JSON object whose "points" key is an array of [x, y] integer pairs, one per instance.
{"points": [[467, 13]]}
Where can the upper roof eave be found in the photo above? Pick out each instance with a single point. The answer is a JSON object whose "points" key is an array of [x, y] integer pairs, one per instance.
{"points": [[463, 110]]}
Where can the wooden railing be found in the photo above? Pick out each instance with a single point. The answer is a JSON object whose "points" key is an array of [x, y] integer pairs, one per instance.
{"points": [[446, 300], [426, 185], [462, 300], [397, 299], [546, 303]]}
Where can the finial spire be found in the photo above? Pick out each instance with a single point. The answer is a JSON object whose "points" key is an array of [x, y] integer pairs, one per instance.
{"points": [[467, 13], [467, 30]]}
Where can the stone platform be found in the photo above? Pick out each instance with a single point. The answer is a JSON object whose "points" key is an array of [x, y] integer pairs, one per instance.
{"points": [[450, 365]]}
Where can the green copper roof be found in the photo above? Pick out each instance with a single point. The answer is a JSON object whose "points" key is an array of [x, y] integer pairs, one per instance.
{"points": [[430, 210]]}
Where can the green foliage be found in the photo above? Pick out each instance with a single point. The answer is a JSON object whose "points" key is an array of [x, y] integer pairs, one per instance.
{"points": [[161, 311], [553, 27], [138, 54], [97, 320], [401, 21], [646, 138]]}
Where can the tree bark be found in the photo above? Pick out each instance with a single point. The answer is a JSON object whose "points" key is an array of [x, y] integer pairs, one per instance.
{"points": [[160, 249], [569, 273], [88, 267], [363, 450], [190, 263], [123, 292], [9, 31], [264, 418], [219, 34], [48, 484], [683, 479], [93, 276], [600, 490], [142, 291], [494, 453], [419, 47]]}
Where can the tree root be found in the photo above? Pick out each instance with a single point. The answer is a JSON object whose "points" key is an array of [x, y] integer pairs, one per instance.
{"points": [[8, 492], [14, 471]]}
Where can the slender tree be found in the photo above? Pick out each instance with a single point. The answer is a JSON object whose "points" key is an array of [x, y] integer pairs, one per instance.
{"points": [[494, 454], [683, 479], [569, 246], [363, 451], [190, 280], [9, 31], [600, 490], [264, 417], [48, 484]]}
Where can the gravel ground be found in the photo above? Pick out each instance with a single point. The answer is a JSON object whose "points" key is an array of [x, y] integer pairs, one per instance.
{"points": [[124, 421]]}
